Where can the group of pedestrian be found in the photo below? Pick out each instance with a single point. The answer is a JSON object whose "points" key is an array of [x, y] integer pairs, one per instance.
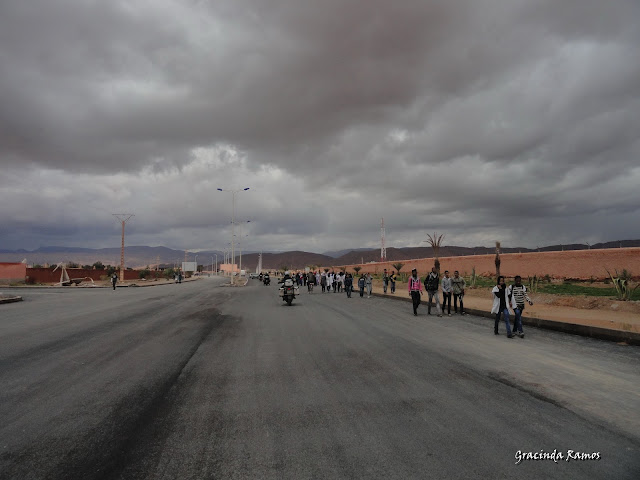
{"points": [[512, 297], [341, 282], [388, 279], [505, 298], [451, 286]]}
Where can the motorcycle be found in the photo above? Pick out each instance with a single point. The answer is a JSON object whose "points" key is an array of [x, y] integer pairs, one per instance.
{"points": [[266, 280], [288, 291]]}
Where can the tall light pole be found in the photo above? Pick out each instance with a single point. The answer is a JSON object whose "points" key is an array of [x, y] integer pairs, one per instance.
{"points": [[216, 262], [228, 250], [233, 222], [196, 262], [242, 236], [123, 217]]}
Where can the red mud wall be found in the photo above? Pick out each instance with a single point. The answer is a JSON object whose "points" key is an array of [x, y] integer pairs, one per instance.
{"points": [[47, 275], [13, 272], [578, 264]]}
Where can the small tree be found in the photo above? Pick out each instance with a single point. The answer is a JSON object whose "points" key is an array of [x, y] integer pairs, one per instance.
{"points": [[169, 273], [98, 266], [497, 260], [144, 273], [326, 270], [436, 243], [357, 269], [398, 266]]}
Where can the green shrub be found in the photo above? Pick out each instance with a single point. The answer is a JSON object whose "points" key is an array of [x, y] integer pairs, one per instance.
{"points": [[621, 283]]}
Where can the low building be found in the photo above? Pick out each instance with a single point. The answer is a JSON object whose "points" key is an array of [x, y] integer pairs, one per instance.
{"points": [[227, 268]]}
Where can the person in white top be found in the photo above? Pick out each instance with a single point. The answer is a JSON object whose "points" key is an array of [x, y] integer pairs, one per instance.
{"points": [[446, 292]]}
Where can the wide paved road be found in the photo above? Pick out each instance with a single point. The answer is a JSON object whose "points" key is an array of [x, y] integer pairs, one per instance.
{"points": [[198, 381]]}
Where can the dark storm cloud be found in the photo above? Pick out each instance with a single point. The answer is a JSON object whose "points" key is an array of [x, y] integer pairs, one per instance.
{"points": [[434, 114]]}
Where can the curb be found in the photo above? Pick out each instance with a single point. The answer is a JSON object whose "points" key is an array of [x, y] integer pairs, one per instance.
{"points": [[600, 333], [10, 299]]}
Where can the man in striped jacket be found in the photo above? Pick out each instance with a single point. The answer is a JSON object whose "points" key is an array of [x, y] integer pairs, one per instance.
{"points": [[518, 295]]}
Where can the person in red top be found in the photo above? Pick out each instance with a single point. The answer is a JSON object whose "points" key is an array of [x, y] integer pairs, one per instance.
{"points": [[415, 290]]}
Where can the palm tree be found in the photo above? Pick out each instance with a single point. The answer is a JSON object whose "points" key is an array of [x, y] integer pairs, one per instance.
{"points": [[398, 266], [436, 243], [357, 269]]}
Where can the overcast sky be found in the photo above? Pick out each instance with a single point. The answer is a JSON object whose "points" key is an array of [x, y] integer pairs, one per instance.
{"points": [[485, 120]]}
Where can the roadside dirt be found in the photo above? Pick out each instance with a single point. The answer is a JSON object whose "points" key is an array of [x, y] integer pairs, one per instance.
{"points": [[579, 309]]}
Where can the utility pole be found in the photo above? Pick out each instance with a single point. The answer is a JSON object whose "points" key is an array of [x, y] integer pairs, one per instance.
{"points": [[124, 218], [383, 247]]}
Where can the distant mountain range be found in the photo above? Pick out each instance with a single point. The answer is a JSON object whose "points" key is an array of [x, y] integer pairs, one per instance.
{"points": [[141, 256]]}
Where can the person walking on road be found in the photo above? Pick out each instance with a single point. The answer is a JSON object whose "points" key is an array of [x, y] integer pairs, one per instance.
{"points": [[348, 284], [415, 290], [501, 305], [457, 286], [369, 284], [361, 283], [114, 280], [323, 281], [431, 284], [385, 280], [446, 292], [392, 281], [518, 295]]}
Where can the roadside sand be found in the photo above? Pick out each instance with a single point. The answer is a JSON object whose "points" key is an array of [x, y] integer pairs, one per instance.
{"points": [[597, 312]]}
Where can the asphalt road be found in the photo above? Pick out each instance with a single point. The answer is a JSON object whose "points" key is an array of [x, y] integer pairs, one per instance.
{"points": [[198, 381]]}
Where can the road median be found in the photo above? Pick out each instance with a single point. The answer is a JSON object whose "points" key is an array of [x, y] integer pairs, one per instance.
{"points": [[10, 299]]}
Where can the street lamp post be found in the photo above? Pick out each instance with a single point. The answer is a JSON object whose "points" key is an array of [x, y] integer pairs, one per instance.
{"points": [[233, 221], [216, 262], [229, 258], [242, 236], [196, 262]]}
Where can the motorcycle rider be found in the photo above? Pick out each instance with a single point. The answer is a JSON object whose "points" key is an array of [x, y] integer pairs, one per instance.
{"points": [[287, 276]]}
